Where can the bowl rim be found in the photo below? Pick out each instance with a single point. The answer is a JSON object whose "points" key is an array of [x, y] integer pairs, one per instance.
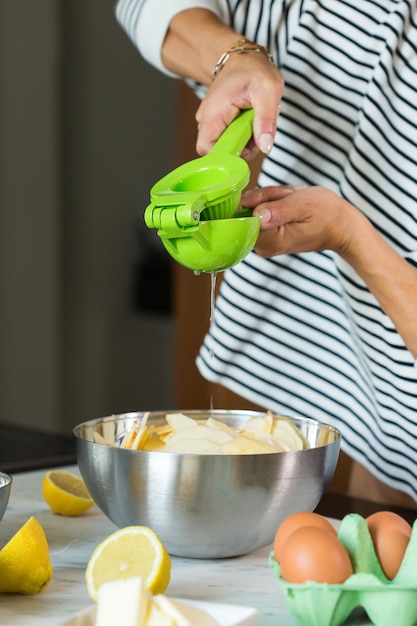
{"points": [[5, 479], [192, 412]]}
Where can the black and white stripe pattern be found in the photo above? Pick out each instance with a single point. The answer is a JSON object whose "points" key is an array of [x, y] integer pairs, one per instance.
{"points": [[301, 334]]}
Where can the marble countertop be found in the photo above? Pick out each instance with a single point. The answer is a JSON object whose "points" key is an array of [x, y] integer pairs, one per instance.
{"points": [[244, 581]]}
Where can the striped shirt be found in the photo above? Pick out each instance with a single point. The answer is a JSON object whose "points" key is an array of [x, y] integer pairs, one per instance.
{"points": [[301, 334]]}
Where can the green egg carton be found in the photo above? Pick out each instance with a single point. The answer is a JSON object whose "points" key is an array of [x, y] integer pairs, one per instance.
{"points": [[386, 602]]}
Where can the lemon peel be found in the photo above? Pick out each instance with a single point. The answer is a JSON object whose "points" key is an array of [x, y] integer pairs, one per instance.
{"points": [[132, 551], [25, 565], [66, 493]]}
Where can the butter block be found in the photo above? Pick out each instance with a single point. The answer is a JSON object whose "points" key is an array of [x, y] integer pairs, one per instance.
{"points": [[123, 601], [128, 603]]}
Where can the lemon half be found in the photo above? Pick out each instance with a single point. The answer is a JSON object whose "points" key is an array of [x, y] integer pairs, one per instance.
{"points": [[128, 552], [25, 566], [66, 493]]}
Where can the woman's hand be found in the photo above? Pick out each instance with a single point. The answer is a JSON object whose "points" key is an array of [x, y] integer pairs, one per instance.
{"points": [[246, 81], [303, 219], [195, 41]]}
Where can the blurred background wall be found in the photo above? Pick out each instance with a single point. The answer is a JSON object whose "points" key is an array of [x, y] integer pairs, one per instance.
{"points": [[86, 127]]}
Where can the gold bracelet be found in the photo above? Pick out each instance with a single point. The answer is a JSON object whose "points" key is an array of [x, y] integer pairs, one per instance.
{"points": [[242, 46]]}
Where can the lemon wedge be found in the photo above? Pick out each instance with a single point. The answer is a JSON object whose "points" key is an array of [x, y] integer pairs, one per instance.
{"points": [[66, 493], [133, 551], [25, 566]]}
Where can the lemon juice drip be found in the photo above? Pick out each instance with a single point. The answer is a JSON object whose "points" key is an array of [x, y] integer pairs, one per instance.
{"points": [[213, 276]]}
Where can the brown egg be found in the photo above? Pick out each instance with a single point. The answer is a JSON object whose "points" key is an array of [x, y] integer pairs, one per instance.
{"points": [[295, 521], [390, 534], [315, 554]]}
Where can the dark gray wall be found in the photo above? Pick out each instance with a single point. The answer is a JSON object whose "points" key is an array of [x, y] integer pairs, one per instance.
{"points": [[86, 128]]}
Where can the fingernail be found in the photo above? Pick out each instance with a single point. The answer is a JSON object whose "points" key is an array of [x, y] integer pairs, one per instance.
{"points": [[265, 143], [264, 214], [300, 187], [247, 193]]}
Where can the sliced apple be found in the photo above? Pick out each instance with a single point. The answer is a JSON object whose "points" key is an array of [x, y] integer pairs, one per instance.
{"points": [[154, 444], [276, 444], [141, 434], [204, 435], [257, 425], [246, 445], [258, 435], [129, 436], [100, 439], [284, 432], [193, 446], [179, 421], [213, 423]]}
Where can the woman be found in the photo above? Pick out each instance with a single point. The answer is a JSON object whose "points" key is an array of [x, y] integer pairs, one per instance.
{"points": [[320, 320]]}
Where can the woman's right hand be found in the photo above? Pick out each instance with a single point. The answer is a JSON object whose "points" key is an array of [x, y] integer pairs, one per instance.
{"points": [[194, 42], [247, 80]]}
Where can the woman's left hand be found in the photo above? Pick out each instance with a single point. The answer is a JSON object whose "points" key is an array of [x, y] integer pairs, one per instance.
{"points": [[304, 219], [301, 219]]}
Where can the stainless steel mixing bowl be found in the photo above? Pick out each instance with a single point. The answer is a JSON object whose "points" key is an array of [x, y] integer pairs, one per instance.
{"points": [[5, 488], [205, 506]]}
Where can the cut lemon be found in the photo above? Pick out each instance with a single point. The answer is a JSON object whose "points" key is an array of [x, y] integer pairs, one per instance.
{"points": [[66, 493], [129, 552], [25, 566]]}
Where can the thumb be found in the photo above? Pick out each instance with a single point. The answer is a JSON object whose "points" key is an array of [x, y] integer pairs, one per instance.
{"points": [[265, 216], [263, 213]]}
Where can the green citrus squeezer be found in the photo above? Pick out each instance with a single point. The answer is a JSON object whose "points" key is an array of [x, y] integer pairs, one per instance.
{"points": [[194, 207]]}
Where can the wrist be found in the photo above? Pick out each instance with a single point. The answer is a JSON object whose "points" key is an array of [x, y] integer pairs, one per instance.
{"points": [[355, 230], [190, 49], [241, 46], [364, 248]]}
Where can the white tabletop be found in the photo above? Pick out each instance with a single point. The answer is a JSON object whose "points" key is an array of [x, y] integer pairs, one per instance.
{"points": [[244, 581]]}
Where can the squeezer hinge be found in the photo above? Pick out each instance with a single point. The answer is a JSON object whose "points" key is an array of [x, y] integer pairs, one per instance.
{"points": [[174, 220]]}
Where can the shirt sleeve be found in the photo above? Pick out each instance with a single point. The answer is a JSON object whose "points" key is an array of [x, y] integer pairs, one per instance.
{"points": [[146, 23]]}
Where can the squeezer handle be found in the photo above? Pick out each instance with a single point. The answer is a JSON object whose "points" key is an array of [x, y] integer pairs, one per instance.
{"points": [[235, 136]]}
